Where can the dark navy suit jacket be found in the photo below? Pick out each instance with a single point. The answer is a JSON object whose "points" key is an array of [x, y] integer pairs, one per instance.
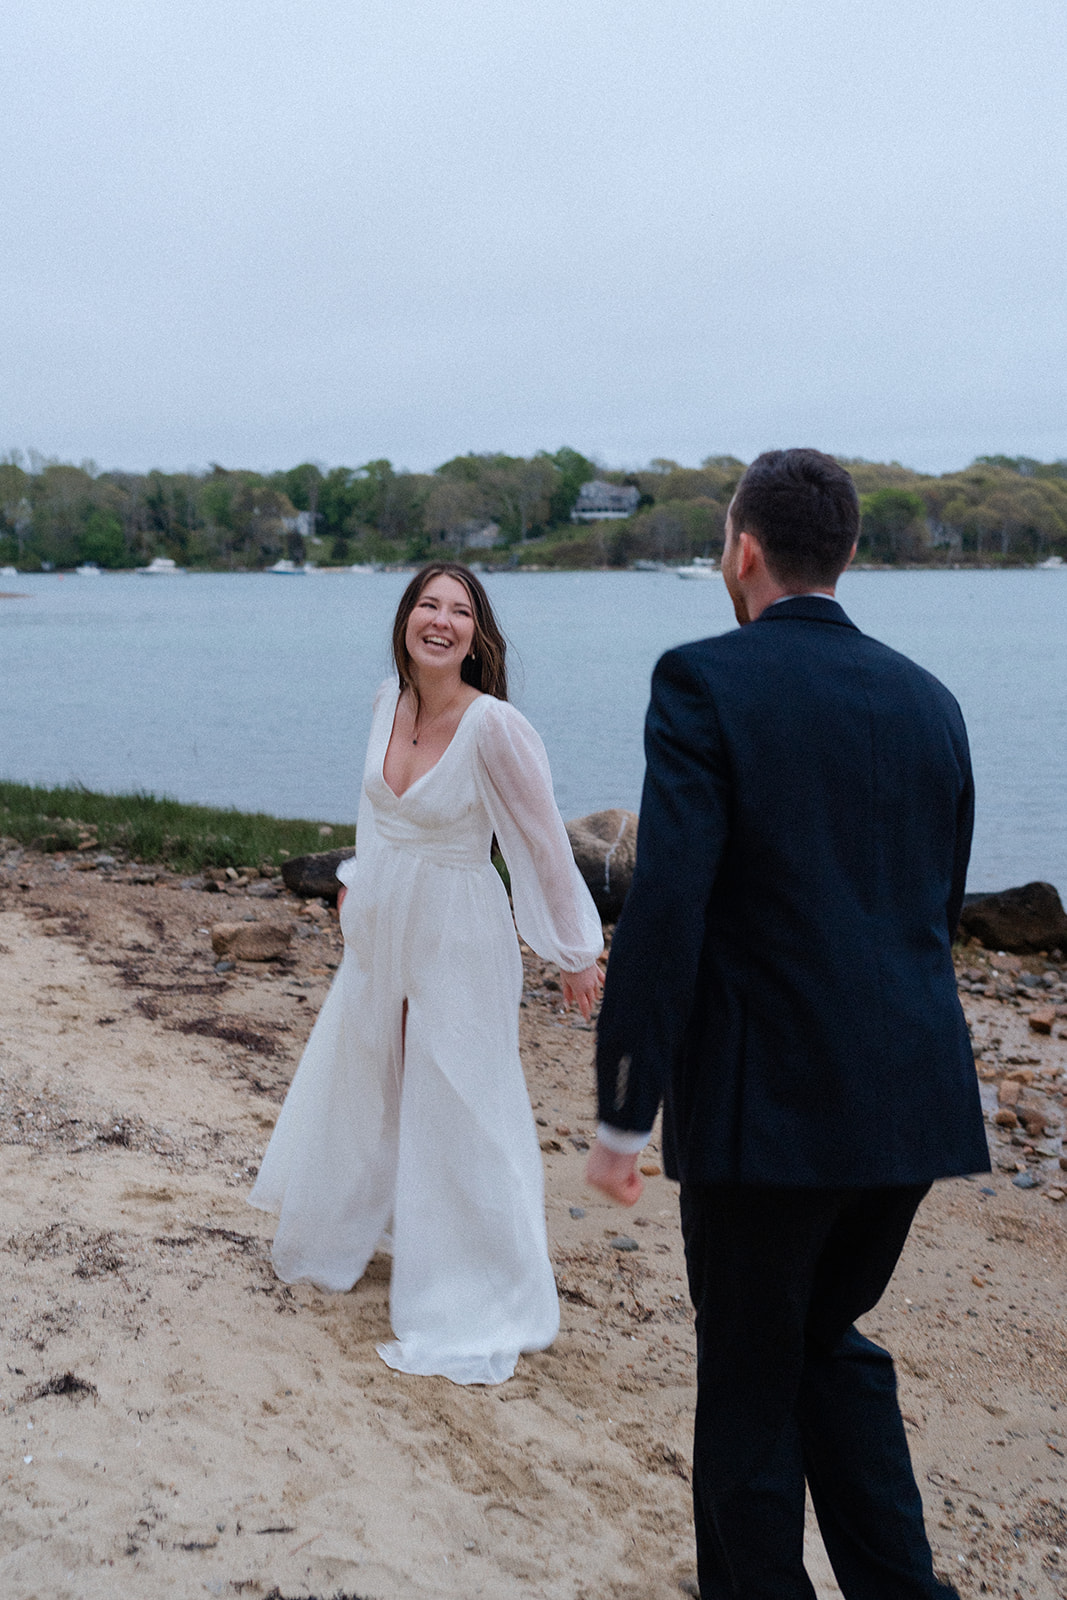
{"points": [[781, 976]]}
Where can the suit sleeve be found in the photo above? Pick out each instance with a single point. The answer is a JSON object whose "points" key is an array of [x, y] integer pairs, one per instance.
{"points": [[964, 832], [655, 956]]}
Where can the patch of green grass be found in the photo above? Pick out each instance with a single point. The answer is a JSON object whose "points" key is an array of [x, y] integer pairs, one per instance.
{"points": [[142, 827]]}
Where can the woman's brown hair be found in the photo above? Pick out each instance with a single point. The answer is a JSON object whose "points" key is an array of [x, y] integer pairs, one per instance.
{"points": [[485, 667]]}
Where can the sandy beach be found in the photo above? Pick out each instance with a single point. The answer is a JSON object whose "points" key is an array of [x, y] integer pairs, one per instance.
{"points": [[176, 1422]]}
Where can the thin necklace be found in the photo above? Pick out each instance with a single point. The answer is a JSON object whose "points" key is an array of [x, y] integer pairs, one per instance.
{"points": [[433, 719]]}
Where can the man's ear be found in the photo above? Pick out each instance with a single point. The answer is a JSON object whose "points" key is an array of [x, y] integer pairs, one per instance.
{"points": [[749, 554]]}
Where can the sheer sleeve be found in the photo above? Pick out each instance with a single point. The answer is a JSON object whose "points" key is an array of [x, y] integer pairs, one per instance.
{"points": [[554, 911], [366, 833]]}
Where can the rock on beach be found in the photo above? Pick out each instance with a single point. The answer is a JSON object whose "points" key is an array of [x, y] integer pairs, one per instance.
{"points": [[251, 941], [605, 848], [315, 876], [1024, 919]]}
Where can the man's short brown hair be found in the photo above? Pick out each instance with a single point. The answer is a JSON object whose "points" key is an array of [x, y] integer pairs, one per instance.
{"points": [[803, 508]]}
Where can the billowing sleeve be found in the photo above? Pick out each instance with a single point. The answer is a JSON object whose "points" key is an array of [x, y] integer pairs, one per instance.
{"points": [[365, 836], [366, 833], [554, 911]]}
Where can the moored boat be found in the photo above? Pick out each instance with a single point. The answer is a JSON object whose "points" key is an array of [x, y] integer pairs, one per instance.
{"points": [[699, 567], [160, 567]]}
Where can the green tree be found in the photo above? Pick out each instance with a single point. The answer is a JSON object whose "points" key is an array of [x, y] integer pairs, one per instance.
{"points": [[259, 516], [61, 499], [16, 513], [454, 507], [374, 505], [574, 469], [302, 485], [893, 524], [101, 539], [517, 493]]}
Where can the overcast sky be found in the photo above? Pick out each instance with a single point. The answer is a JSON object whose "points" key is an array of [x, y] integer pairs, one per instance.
{"points": [[258, 232]]}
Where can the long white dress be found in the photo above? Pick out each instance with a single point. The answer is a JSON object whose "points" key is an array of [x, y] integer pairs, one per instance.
{"points": [[433, 1151]]}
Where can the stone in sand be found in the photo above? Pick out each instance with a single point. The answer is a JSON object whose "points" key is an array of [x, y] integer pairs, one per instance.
{"points": [[604, 845], [251, 941], [315, 875], [1028, 918]]}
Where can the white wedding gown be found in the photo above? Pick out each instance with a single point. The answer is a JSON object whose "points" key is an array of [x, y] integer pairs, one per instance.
{"points": [[432, 1152]]}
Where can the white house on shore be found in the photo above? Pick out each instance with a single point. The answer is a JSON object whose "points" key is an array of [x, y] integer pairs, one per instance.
{"points": [[476, 535], [303, 523], [604, 502]]}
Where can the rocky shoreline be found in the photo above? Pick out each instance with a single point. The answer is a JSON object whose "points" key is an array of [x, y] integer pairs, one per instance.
{"points": [[177, 1421]]}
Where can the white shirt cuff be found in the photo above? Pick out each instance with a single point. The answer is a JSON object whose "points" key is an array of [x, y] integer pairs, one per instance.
{"points": [[622, 1141]]}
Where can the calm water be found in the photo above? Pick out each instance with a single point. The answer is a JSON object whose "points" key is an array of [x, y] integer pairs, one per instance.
{"points": [[254, 691]]}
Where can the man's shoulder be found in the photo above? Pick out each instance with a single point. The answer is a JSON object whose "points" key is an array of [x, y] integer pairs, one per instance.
{"points": [[893, 665], [734, 661], [697, 654]]}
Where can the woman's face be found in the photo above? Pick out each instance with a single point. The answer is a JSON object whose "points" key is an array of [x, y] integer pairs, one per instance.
{"points": [[440, 630]]}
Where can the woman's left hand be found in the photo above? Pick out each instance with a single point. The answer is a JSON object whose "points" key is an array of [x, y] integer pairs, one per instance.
{"points": [[582, 988]]}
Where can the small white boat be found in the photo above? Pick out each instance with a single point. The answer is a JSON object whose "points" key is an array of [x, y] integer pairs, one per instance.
{"points": [[286, 569], [88, 569], [1051, 563], [362, 566], [160, 567], [649, 566], [699, 567], [9, 572]]}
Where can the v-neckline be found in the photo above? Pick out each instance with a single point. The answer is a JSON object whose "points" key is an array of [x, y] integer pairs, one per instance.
{"points": [[430, 770]]}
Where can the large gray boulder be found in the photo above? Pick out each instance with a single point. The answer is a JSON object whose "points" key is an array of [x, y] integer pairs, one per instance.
{"points": [[315, 875], [1029, 918], [605, 848]]}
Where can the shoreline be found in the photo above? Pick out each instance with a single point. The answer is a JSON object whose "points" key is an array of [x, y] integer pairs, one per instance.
{"points": [[499, 569], [252, 842]]}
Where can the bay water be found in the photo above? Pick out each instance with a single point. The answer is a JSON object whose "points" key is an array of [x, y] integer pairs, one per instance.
{"points": [[253, 690]]}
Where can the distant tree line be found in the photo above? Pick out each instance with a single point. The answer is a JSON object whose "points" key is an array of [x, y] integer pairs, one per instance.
{"points": [[505, 509]]}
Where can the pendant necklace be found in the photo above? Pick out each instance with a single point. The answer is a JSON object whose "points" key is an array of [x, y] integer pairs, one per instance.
{"points": [[432, 720]]}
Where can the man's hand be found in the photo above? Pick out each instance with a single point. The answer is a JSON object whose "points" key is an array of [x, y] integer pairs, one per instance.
{"points": [[614, 1175], [582, 988]]}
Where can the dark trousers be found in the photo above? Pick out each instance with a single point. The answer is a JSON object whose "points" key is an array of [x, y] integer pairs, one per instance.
{"points": [[788, 1391]]}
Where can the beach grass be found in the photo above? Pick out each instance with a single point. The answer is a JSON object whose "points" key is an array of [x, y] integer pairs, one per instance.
{"points": [[146, 828]]}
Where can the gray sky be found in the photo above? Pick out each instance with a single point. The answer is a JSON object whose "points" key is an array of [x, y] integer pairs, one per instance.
{"points": [[261, 232]]}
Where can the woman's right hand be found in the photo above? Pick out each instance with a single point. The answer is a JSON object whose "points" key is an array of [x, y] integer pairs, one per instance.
{"points": [[582, 988], [342, 891]]}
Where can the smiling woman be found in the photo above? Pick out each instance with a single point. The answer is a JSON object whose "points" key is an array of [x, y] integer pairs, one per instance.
{"points": [[407, 1126]]}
